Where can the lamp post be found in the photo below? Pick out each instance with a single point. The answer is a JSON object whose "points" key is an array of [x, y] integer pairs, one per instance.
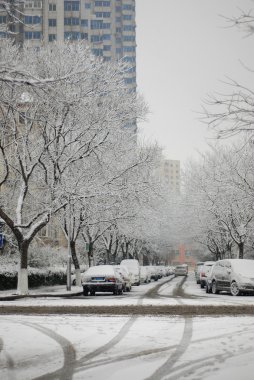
{"points": [[68, 286]]}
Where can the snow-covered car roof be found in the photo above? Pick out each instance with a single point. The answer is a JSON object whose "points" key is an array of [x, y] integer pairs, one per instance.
{"points": [[102, 270], [244, 267]]}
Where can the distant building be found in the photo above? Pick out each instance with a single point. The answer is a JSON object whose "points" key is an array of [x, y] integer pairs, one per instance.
{"points": [[183, 256], [170, 174]]}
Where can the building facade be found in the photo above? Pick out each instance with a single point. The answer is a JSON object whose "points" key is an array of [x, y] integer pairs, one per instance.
{"points": [[170, 174], [108, 26]]}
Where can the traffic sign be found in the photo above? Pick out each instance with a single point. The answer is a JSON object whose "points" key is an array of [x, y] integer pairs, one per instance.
{"points": [[1, 240]]}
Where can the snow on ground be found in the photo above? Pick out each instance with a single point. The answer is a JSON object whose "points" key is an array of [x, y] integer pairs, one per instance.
{"points": [[154, 348]]}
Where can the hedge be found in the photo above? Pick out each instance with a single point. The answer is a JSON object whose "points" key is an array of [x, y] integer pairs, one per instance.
{"points": [[36, 277]]}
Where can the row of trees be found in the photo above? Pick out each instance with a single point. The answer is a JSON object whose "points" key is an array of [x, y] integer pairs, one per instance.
{"points": [[217, 206], [219, 201], [68, 152]]}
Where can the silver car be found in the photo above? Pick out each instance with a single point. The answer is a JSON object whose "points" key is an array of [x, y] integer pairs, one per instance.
{"points": [[233, 275]]}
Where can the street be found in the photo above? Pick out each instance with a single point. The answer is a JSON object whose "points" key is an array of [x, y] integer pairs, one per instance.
{"points": [[138, 347]]}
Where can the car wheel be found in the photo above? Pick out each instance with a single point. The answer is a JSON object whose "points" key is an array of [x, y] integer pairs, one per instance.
{"points": [[214, 288], [138, 283], [202, 285], [92, 293], [120, 292], [128, 289], [74, 282], [234, 289], [85, 293]]}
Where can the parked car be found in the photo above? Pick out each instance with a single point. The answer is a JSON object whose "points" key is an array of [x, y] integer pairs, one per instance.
{"points": [[154, 273], [171, 270], [124, 273], [102, 278], [145, 275], [197, 270], [134, 269], [205, 269], [233, 275], [209, 276], [149, 272], [181, 270]]}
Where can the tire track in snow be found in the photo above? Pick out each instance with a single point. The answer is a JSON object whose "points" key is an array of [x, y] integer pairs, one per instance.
{"points": [[183, 345], [123, 331], [66, 372]]}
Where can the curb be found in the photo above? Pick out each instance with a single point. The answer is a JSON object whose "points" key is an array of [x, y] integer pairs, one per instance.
{"points": [[41, 295], [170, 310]]}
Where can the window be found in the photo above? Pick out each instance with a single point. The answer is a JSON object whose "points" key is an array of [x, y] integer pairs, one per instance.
{"points": [[102, 3], [52, 7], [129, 59], [107, 47], [96, 38], [84, 23], [52, 22], [128, 80], [36, 35], [33, 4], [118, 50], [71, 21], [127, 17], [129, 38], [106, 37], [2, 19], [97, 52], [52, 37], [37, 4], [128, 28], [71, 5], [118, 30], [96, 24], [102, 14], [72, 35], [118, 9], [32, 35], [84, 36], [127, 7], [129, 49], [87, 5], [28, 19]]}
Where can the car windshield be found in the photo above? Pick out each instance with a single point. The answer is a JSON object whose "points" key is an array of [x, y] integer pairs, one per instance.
{"points": [[244, 267]]}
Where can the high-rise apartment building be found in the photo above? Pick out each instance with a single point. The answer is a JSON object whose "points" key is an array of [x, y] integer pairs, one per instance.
{"points": [[170, 174], [108, 26]]}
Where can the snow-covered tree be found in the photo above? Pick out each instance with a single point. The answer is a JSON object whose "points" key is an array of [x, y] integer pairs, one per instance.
{"points": [[65, 112]]}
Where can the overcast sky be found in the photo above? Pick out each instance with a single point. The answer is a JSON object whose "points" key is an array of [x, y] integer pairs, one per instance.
{"points": [[184, 52]]}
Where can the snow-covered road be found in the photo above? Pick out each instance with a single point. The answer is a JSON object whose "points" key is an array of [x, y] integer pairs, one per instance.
{"points": [[138, 347], [95, 347]]}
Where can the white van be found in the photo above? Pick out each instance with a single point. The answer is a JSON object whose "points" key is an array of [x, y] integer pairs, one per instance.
{"points": [[134, 269]]}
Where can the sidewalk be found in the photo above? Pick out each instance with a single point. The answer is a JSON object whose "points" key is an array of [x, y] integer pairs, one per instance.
{"points": [[42, 291]]}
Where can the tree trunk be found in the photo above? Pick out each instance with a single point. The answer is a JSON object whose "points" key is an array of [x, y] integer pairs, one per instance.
{"points": [[23, 274], [90, 254], [75, 262], [241, 250]]}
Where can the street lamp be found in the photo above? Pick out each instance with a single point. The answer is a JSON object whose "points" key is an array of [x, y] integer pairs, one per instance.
{"points": [[68, 286]]}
